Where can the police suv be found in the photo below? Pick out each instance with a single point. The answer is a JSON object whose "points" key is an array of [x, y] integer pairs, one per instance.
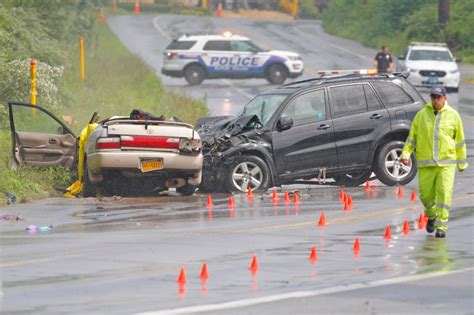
{"points": [[202, 57]]}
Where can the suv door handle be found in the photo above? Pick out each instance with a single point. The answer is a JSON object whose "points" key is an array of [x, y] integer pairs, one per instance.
{"points": [[376, 116], [323, 127]]}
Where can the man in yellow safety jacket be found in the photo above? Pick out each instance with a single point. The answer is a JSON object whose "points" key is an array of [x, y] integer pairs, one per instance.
{"points": [[437, 137]]}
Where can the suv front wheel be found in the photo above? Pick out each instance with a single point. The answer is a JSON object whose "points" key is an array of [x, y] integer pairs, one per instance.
{"points": [[388, 167], [277, 74], [194, 74], [248, 171]]}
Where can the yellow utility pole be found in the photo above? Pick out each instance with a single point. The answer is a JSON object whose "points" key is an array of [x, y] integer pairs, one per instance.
{"points": [[204, 4], [81, 57], [294, 12], [33, 84]]}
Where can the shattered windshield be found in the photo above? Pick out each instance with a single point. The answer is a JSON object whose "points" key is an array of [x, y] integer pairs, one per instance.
{"points": [[263, 106]]}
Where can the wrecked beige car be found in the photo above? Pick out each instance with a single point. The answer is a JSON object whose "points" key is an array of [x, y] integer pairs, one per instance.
{"points": [[124, 155]]}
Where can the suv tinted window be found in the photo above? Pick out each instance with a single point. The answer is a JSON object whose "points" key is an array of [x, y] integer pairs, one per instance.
{"points": [[307, 108], [243, 45], [181, 45], [373, 102], [347, 100], [391, 94], [221, 45]]}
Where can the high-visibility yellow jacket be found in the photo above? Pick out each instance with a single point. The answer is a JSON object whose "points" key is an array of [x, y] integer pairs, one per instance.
{"points": [[437, 139]]}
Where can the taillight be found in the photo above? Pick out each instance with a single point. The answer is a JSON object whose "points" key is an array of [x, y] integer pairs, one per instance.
{"points": [[171, 54], [150, 142], [190, 146], [108, 143]]}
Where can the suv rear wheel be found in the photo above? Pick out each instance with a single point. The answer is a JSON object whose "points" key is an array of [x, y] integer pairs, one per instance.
{"points": [[194, 74], [277, 74], [388, 167], [248, 171]]}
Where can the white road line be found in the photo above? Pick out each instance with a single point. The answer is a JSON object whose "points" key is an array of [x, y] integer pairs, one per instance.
{"points": [[298, 294], [155, 24]]}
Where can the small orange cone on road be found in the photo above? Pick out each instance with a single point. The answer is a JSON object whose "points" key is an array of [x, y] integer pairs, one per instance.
{"points": [[413, 196], [231, 202], [349, 201], [406, 227], [204, 274], [421, 221], [388, 234], [254, 264], [314, 255], [136, 9], [356, 248], [275, 196], [249, 192], [296, 197], [341, 194], [219, 9], [367, 185], [322, 219], [182, 277], [346, 206], [209, 201], [400, 192], [286, 198]]}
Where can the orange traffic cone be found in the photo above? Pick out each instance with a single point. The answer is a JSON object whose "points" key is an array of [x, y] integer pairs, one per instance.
{"points": [[388, 234], [367, 185], [413, 196], [341, 194], [406, 227], [249, 192], [421, 221], [286, 198], [275, 196], [136, 9], [209, 201], [356, 248], [182, 277], [204, 274], [231, 202], [219, 9], [296, 197], [322, 219], [254, 264], [314, 255], [346, 206], [349, 201], [400, 192]]}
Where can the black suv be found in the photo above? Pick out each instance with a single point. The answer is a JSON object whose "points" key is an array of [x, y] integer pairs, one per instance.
{"points": [[344, 127]]}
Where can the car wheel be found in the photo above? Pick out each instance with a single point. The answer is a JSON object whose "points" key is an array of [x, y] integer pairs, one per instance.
{"points": [[353, 179], [248, 171], [88, 189], [277, 74], [186, 190], [388, 167], [194, 74]]}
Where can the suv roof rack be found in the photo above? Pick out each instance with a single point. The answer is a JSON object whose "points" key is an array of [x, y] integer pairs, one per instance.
{"points": [[428, 44]]}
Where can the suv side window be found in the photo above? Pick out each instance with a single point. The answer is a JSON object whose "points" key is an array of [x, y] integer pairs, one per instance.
{"points": [[373, 102], [307, 108], [242, 45], [220, 45], [391, 94], [181, 45], [347, 100]]}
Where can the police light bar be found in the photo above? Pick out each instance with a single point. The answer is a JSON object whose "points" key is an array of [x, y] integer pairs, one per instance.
{"points": [[227, 34], [338, 72]]}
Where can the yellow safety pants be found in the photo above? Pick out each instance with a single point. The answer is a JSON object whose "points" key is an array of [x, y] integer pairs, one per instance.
{"points": [[436, 190]]}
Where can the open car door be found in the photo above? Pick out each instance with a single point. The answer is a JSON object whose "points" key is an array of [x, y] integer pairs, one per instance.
{"points": [[39, 138]]}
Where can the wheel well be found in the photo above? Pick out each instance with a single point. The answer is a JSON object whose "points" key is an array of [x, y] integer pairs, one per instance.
{"points": [[396, 136], [195, 64]]}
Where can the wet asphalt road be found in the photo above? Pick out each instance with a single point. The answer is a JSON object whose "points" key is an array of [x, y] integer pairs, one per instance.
{"points": [[123, 256]]}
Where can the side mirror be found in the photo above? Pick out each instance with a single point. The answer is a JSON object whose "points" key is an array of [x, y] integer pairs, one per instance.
{"points": [[457, 59], [401, 57], [284, 123]]}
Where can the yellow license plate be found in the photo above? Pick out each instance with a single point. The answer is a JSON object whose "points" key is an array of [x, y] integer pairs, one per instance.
{"points": [[152, 165]]}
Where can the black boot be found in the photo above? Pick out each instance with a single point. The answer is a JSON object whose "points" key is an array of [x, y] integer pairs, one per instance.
{"points": [[430, 226], [440, 233]]}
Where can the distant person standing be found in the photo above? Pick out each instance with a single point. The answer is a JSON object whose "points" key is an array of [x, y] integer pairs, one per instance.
{"points": [[383, 61]]}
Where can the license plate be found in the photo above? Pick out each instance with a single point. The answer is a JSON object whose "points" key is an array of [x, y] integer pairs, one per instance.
{"points": [[432, 80], [151, 165]]}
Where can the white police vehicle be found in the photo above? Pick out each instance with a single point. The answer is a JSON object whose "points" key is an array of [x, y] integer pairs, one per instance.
{"points": [[202, 57], [430, 64]]}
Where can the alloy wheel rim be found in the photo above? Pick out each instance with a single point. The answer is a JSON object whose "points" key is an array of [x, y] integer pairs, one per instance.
{"points": [[247, 174], [394, 167]]}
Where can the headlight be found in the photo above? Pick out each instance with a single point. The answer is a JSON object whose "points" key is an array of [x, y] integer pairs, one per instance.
{"points": [[454, 71], [294, 58], [190, 146]]}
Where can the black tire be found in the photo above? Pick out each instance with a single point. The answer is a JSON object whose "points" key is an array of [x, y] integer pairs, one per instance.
{"points": [[88, 189], [186, 190], [277, 74], [194, 74], [388, 165], [248, 170], [353, 179]]}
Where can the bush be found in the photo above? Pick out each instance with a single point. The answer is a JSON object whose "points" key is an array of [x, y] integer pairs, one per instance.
{"points": [[308, 10]]}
